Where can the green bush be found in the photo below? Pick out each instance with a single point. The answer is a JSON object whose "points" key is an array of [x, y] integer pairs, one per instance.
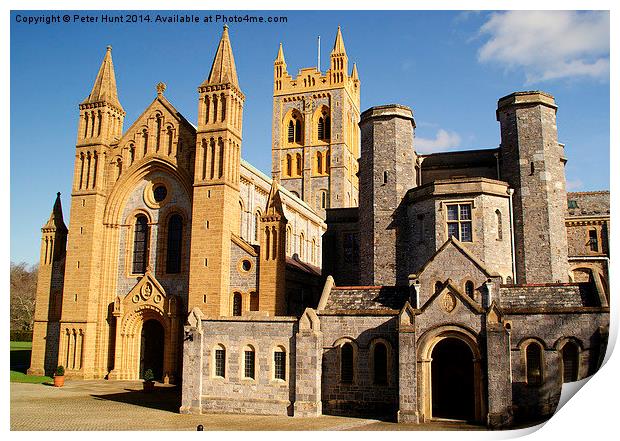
{"points": [[148, 375], [20, 335], [60, 371]]}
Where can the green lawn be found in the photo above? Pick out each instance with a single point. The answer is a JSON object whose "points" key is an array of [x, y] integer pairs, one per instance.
{"points": [[20, 360]]}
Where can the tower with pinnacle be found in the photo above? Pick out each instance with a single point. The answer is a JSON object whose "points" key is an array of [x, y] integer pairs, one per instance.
{"points": [[215, 212], [315, 137]]}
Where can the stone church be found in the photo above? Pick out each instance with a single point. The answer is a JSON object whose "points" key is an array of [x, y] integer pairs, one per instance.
{"points": [[361, 278]]}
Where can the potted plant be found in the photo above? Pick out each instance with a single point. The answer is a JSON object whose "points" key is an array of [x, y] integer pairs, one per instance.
{"points": [[149, 381], [59, 376]]}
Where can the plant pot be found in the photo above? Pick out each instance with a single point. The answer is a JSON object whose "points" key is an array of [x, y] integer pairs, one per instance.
{"points": [[148, 386], [59, 380]]}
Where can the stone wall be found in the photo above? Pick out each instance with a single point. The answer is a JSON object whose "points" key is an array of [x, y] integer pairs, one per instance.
{"points": [[362, 397], [341, 252], [234, 393], [587, 329]]}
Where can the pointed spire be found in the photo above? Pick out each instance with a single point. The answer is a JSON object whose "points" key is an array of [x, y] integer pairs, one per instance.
{"points": [[223, 69], [280, 57], [274, 201], [339, 44], [104, 89], [55, 221], [354, 75]]}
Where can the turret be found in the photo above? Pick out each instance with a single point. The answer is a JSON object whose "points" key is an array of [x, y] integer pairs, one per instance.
{"points": [[49, 292], [339, 62], [387, 171], [272, 266], [532, 162]]}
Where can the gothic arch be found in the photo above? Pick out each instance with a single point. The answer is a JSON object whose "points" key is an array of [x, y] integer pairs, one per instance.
{"points": [[426, 344], [128, 181]]}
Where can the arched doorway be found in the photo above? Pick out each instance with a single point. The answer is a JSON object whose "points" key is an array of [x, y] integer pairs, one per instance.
{"points": [[152, 348], [452, 380]]}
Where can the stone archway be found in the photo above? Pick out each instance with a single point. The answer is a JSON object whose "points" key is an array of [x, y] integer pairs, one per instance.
{"points": [[152, 345], [452, 380], [449, 358]]}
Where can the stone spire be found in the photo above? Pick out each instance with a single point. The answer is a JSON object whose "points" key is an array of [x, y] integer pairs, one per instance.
{"points": [[223, 69], [56, 221], [354, 74], [280, 57], [274, 209], [104, 89], [339, 44]]}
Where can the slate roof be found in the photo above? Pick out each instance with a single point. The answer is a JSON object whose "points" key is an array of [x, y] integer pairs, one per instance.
{"points": [[546, 296], [359, 298]]}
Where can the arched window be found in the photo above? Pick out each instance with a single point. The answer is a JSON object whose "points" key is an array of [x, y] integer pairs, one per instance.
{"points": [[570, 362], [288, 240], [313, 252], [500, 232], [302, 244], [469, 289], [346, 363], [237, 303], [298, 136], [299, 169], [254, 301], [289, 165], [291, 131], [140, 244], [328, 129], [533, 360], [321, 129], [323, 200], [380, 359], [319, 163], [385, 177], [256, 225], [219, 361], [438, 286], [249, 358], [279, 363], [175, 237]]}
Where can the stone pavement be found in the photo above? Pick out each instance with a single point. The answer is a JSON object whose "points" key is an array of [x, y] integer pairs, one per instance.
{"points": [[121, 405]]}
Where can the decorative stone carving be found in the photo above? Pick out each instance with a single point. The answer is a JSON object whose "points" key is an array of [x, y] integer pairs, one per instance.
{"points": [[448, 302]]}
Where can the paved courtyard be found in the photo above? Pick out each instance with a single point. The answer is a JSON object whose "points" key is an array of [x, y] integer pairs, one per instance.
{"points": [[121, 405]]}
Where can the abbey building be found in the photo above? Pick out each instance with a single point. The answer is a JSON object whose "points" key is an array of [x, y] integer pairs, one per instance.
{"points": [[360, 278]]}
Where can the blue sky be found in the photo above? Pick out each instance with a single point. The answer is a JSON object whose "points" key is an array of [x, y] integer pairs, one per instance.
{"points": [[450, 67]]}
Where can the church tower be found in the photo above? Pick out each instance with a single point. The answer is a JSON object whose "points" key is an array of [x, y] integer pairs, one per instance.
{"points": [[100, 126], [215, 212], [272, 264], [49, 293], [315, 138]]}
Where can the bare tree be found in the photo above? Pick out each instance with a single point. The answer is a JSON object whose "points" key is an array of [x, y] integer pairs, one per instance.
{"points": [[23, 295]]}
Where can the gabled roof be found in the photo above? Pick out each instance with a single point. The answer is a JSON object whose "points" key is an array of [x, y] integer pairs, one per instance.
{"points": [[459, 246], [104, 89]]}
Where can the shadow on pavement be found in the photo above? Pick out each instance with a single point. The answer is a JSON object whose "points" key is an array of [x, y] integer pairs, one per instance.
{"points": [[162, 398]]}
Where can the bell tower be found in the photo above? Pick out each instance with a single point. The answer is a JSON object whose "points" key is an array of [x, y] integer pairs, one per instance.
{"points": [[215, 213], [100, 126], [315, 138]]}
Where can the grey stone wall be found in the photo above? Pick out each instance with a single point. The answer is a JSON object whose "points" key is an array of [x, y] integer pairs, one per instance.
{"points": [[387, 171], [240, 280], [234, 393], [362, 397], [551, 330], [532, 162]]}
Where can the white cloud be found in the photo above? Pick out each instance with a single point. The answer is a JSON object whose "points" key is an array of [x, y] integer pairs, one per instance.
{"points": [[443, 140], [548, 45]]}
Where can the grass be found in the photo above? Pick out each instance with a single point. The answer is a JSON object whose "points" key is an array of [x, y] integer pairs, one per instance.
{"points": [[20, 360]]}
